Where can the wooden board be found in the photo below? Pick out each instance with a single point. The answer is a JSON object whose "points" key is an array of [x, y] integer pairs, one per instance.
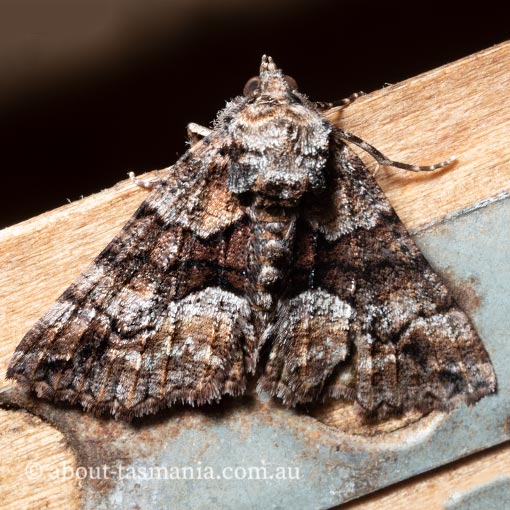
{"points": [[462, 108]]}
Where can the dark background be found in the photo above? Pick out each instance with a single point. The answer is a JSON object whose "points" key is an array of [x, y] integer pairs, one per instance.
{"points": [[91, 89]]}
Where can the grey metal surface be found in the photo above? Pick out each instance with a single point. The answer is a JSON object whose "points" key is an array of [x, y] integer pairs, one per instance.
{"points": [[494, 495], [163, 461]]}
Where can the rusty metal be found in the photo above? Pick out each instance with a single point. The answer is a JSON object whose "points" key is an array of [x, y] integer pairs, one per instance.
{"points": [[327, 466]]}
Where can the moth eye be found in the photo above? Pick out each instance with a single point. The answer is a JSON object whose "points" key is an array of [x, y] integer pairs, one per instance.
{"points": [[291, 82], [252, 86]]}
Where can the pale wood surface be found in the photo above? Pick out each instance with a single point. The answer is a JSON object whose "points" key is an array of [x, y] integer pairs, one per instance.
{"points": [[462, 109], [35, 465]]}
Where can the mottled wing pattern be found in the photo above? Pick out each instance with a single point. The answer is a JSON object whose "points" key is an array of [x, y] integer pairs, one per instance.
{"points": [[159, 316], [269, 231], [366, 317]]}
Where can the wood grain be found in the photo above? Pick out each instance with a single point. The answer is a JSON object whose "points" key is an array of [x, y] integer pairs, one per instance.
{"points": [[462, 108], [35, 466]]}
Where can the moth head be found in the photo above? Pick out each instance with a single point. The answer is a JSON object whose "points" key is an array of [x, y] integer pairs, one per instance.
{"points": [[278, 142], [271, 82]]}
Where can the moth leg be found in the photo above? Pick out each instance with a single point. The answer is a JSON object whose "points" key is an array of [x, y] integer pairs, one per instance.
{"points": [[324, 105], [196, 132], [376, 171], [150, 185], [383, 160]]}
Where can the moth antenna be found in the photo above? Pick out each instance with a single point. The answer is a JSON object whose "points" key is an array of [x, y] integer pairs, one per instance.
{"points": [[383, 160], [339, 104]]}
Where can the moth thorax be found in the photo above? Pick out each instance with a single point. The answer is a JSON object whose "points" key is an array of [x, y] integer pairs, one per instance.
{"points": [[282, 186]]}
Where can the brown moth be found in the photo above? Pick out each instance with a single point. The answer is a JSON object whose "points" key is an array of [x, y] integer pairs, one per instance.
{"points": [[268, 247]]}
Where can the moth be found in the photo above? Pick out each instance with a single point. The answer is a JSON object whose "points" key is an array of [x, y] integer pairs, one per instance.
{"points": [[268, 249]]}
